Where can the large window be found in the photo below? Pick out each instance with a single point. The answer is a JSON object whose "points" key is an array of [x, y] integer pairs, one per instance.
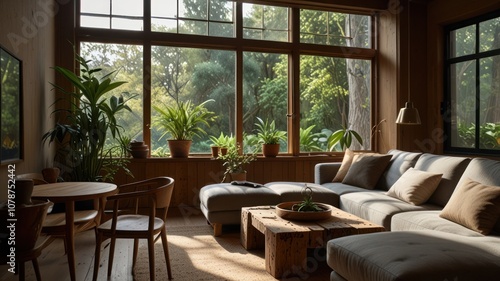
{"points": [[473, 87], [197, 50]]}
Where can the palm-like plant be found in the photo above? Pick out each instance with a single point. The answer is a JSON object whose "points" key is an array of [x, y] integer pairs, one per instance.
{"points": [[343, 137], [83, 136], [183, 120], [309, 141], [267, 132]]}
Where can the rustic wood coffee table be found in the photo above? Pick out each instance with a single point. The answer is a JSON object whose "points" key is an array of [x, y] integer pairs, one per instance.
{"points": [[286, 242]]}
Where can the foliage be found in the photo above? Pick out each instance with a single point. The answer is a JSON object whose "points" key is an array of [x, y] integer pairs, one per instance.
{"points": [[222, 140], [489, 136], [83, 137], [235, 161], [344, 138], [307, 205], [267, 132], [183, 120], [310, 141]]}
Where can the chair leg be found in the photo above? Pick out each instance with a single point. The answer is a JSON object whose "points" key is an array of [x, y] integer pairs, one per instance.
{"points": [[136, 249], [37, 269], [151, 250], [97, 255], [111, 255], [165, 252]]}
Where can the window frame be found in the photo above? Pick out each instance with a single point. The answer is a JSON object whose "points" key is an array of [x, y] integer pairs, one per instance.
{"points": [[446, 106], [239, 44]]}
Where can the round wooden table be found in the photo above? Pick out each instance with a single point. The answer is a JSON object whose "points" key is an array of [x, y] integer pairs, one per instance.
{"points": [[68, 193]]}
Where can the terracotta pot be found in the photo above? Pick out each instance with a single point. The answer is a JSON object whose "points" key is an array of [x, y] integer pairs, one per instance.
{"points": [[51, 175], [270, 150], [138, 149], [239, 176], [223, 150], [24, 189], [215, 151], [179, 148]]}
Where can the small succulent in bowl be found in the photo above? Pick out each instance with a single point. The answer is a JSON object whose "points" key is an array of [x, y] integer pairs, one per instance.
{"points": [[307, 205]]}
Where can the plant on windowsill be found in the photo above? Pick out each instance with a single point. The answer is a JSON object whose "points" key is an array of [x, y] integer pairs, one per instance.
{"points": [[269, 137], [220, 144], [235, 162], [182, 121], [84, 150]]}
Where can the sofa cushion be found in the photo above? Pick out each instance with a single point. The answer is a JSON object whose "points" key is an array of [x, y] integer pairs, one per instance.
{"points": [[377, 207], [474, 205], [341, 188], [400, 162], [429, 220], [452, 169], [366, 170], [485, 171], [294, 191], [415, 186], [344, 167], [414, 256]]}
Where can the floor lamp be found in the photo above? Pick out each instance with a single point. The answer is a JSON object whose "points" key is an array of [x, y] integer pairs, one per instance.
{"points": [[408, 115]]}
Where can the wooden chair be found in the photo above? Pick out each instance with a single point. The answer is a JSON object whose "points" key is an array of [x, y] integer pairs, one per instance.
{"points": [[55, 223], [29, 243], [155, 194]]}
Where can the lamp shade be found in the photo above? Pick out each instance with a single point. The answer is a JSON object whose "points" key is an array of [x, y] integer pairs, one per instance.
{"points": [[408, 115]]}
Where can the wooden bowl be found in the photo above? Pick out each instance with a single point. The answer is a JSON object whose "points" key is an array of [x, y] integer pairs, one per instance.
{"points": [[284, 211]]}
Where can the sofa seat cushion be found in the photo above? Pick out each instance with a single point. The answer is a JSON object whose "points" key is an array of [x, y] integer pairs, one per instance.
{"points": [[414, 256], [377, 207], [225, 197], [428, 220], [342, 188], [293, 191]]}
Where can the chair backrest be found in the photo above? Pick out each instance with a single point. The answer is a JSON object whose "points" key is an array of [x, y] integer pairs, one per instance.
{"points": [[29, 223], [160, 188]]}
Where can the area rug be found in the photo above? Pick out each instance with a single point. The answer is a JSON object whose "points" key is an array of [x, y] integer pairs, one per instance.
{"points": [[196, 255]]}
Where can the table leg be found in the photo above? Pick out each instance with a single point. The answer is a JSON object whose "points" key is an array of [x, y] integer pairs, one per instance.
{"points": [[250, 237], [70, 237], [285, 253]]}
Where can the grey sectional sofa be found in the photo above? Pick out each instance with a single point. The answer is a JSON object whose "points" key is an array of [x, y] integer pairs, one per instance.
{"points": [[421, 245], [418, 243]]}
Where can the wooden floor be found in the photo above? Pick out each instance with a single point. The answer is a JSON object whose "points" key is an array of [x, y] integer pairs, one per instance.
{"points": [[54, 265]]}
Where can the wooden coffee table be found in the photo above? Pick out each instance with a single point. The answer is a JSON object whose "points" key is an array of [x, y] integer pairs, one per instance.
{"points": [[286, 242]]}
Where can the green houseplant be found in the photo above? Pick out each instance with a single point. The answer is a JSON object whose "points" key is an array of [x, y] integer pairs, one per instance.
{"points": [[343, 137], [84, 151], [182, 121], [220, 144], [269, 137], [235, 162]]}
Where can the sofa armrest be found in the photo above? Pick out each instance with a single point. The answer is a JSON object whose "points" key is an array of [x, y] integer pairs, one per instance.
{"points": [[325, 172]]}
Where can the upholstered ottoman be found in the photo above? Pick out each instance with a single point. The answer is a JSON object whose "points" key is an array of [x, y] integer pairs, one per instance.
{"points": [[221, 203], [413, 256], [293, 191]]}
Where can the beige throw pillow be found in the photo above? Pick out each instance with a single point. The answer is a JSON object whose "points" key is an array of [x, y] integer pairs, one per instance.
{"points": [[366, 169], [344, 167], [415, 186], [474, 205]]}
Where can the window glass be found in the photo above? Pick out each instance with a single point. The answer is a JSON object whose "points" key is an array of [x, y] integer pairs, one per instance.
{"points": [[489, 35], [489, 108], [124, 14], [336, 29], [196, 75], [463, 41], [197, 17], [265, 95], [262, 22], [126, 61], [335, 93]]}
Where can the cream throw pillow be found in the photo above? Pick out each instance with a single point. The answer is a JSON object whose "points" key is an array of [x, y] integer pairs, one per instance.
{"points": [[474, 205], [415, 186], [366, 169], [344, 167]]}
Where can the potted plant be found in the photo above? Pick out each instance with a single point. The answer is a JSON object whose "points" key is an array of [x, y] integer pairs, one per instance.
{"points": [[269, 137], [84, 151], [343, 137], [219, 144], [235, 162], [182, 121]]}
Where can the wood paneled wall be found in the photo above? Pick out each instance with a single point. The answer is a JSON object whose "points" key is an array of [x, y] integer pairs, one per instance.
{"points": [[192, 174]]}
